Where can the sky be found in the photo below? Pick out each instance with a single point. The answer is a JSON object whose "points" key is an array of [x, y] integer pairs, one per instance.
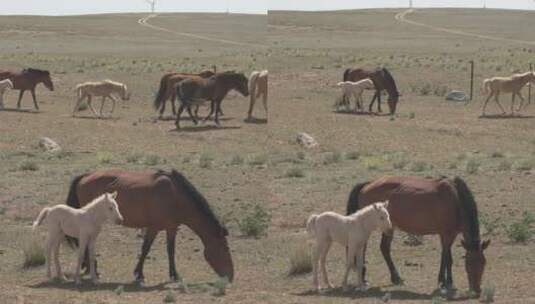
{"points": [[69, 7]]}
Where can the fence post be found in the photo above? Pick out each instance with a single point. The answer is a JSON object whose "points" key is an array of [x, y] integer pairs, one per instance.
{"points": [[471, 79]]}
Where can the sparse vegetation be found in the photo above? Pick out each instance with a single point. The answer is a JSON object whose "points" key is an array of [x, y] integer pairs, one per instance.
{"points": [[169, 297], [420, 166], [205, 161], [300, 258], [33, 253], [236, 160], [472, 166], [332, 158], [521, 230], [487, 294], [255, 221], [295, 173], [104, 158], [28, 165], [258, 160]]}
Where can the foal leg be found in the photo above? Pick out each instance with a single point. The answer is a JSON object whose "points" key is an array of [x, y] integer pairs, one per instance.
{"points": [[252, 101], [57, 245], [171, 237], [92, 259], [177, 119], [485, 104], [513, 104], [522, 100], [360, 269], [315, 266], [350, 261], [386, 242], [264, 101], [83, 240], [102, 105], [323, 256], [145, 248], [21, 93], [498, 102], [49, 249], [34, 99], [91, 106]]}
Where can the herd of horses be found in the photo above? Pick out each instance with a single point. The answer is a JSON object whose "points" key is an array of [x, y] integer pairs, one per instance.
{"points": [[163, 200]]}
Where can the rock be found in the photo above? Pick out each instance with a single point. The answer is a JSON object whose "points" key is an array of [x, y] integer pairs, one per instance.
{"points": [[457, 96], [306, 140], [49, 145]]}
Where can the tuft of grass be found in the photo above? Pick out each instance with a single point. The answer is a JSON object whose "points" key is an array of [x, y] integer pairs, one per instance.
{"points": [[352, 155], [236, 160], [119, 290], [332, 158], [490, 225], [505, 165], [524, 164], [134, 158], [258, 160], [373, 162], [205, 161], [28, 165], [487, 294], [152, 160], [521, 231], [169, 297], [497, 154], [472, 166], [420, 166], [412, 115], [255, 222], [437, 300], [221, 286], [295, 173], [33, 252], [104, 157], [301, 155], [300, 259]]}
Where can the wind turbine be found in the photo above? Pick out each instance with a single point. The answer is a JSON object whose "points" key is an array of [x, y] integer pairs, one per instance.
{"points": [[152, 4]]}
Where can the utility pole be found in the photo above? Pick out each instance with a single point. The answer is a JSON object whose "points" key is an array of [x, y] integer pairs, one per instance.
{"points": [[484, 3], [152, 4], [410, 3], [228, 7]]}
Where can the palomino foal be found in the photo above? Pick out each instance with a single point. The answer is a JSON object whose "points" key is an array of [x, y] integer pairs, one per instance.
{"points": [[352, 231], [355, 89], [83, 224], [4, 85]]}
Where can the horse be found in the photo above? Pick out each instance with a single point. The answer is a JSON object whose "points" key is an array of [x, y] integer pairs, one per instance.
{"points": [[355, 89], [28, 79], [258, 86], [84, 224], [513, 84], [158, 200], [382, 80], [106, 88], [196, 91], [352, 231], [167, 89], [4, 85], [421, 206]]}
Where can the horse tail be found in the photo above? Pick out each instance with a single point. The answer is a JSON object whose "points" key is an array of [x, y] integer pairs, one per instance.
{"points": [[160, 96], [40, 218], [73, 202], [346, 74], [469, 214], [311, 225], [353, 200], [485, 88]]}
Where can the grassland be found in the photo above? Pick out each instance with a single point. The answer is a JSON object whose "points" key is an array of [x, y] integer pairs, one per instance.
{"points": [[246, 164]]}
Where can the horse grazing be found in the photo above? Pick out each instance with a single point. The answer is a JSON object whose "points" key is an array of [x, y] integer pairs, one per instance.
{"points": [[196, 91], [28, 79], [84, 224], [159, 200], [258, 86], [423, 206], [167, 88], [105, 89], [382, 80], [513, 84], [355, 89], [4, 85], [352, 231]]}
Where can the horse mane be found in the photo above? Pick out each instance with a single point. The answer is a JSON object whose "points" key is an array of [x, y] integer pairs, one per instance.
{"points": [[388, 77], [353, 200], [200, 201], [469, 214], [36, 71]]}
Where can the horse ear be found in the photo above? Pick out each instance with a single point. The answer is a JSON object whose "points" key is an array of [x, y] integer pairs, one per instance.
{"points": [[376, 206], [485, 244], [113, 194], [386, 203], [464, 244]]}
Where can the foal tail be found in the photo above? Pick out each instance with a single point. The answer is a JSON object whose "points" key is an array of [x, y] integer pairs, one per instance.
{"points": [[311, 225], [485, 88], [73, 201], [353, 200], [40, 218]]}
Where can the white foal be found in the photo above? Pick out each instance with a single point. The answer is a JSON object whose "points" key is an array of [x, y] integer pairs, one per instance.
{"points": [[83, 224], [352, 231], [4, 85], [355, 89]]}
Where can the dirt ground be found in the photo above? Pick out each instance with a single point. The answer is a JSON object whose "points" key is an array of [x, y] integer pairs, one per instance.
{"points": [[306, 54]]}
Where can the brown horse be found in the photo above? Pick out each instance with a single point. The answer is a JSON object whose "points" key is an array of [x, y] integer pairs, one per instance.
{"points": [[28, 79], [195, 91], [382, 80], [422, 206], [158, 200], [167, 90]]}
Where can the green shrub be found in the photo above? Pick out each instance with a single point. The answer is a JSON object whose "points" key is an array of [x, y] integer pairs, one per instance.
{"points": [[487, 294], [28, 165], [352, 155], [258, 160], [34, 253], [295, 173], [134, 158], [104, 157], [169, 297], [521, 231], [236, 160], [255, 222], [205, 161], [420, 166], [221, 286], [332, 158], [472, 166], [373, 162], [300, 259], [524, 165], [505, 165], [152, 160], [301, 155]]}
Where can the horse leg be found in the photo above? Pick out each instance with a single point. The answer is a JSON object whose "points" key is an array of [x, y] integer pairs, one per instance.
{"points": [[91, 106], [34, 99], [193, 118], [162, 109], [177, 119], [59, 273], [212, 105], [21, 93], [171, 237], [386, 242], [218, 109], [498, 102], [441, 272], [485, 104], [114, 101], [145, 248], [49, 249], [513, 104], [360, 268], [252, 101], [379, 102], [265, 101], [173, 102], [373, 100], [522, 100], [447, 242], [102, 105], [315, 266]]}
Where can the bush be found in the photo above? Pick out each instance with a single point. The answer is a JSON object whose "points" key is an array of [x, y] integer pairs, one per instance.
{"points": [[487, 294], [152, 160], [258, 160], [472, 166], [524, 165], [169, 297], [521, 231], [133, 158], [205, 161], [352, 155], [332, 158], [420, 166], [104, 157], [373, 162], [236, 160], [34, 253], [300, 259], [505, 165], [255, 222], [221, 286], [301, 155], [295, 173], [28, 165]]}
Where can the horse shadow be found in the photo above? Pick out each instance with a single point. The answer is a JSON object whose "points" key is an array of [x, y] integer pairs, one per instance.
{"points": [[87, 286], [254, 120], [506, 116], [203, 128], [28, 111], [360, 113], [92, 117], [378, 293], [188, 118]]}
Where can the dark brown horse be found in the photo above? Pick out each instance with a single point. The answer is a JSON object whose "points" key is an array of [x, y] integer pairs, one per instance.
{"points": [[28, 79], [195, 91], [382, 80], [159, 200], [167, 90], [428, 206]]}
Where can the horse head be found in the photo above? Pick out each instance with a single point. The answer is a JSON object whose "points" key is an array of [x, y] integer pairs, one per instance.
{"points": [[217, 254], [241, 83], [393, 102], [475, 263]]}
